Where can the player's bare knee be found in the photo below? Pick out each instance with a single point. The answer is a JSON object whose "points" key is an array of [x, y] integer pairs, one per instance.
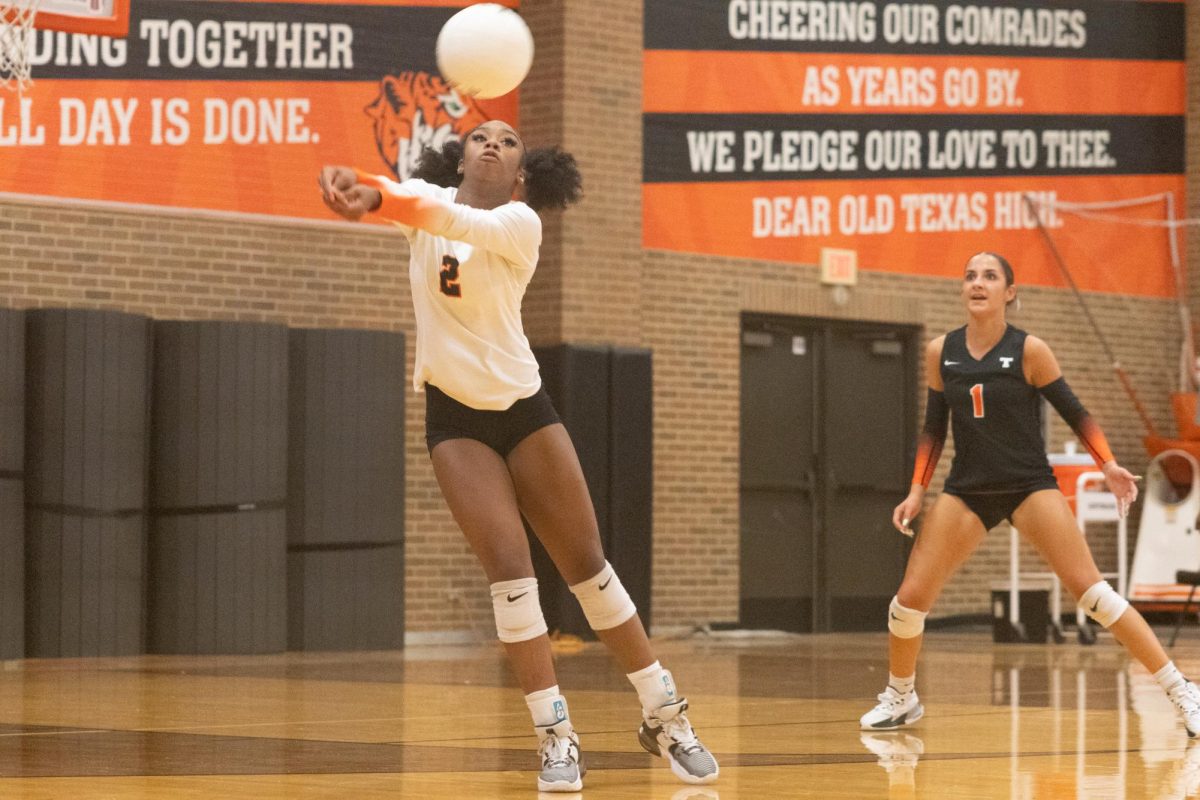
{"points": [[1102, 603], [905, 622], [604, 600], [518, 611]]}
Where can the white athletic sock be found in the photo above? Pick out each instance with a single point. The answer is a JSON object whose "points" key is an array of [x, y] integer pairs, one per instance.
{"points": [[655, 686], [546, 706], [1169, 677], [902, 685]]}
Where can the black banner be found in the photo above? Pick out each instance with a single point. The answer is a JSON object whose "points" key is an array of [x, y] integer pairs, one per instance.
{"points": [[1116, 29], [248, 42], [754, 147]]}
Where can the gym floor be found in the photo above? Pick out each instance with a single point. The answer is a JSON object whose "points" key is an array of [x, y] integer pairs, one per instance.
{"points": [[780, 712]]}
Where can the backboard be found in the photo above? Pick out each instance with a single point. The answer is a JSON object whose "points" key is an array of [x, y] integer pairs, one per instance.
{"points": [[104, 17]]}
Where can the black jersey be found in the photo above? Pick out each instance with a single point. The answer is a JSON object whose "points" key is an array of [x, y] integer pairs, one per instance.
{"points": [[995, 415]]}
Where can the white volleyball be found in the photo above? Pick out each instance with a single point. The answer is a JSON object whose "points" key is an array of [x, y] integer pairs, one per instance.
{"points": [[485, 50]]}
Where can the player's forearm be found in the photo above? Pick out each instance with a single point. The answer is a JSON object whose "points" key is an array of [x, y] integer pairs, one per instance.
{"points": [[1059, 395], [931, 440], [400, 206]]}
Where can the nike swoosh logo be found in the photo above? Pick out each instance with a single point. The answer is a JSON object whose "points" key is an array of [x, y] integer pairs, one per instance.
{"points": [[512, 599], [604, 585], [895, 618], [1095, 606], [950, 363]]}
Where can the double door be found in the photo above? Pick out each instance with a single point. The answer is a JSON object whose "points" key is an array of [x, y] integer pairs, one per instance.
{"points": [[827, 436]]}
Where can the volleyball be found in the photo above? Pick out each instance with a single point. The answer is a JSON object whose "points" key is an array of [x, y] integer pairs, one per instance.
{"points": [[485, 50]]}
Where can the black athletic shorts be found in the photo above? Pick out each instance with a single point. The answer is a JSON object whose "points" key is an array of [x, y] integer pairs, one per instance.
{"points": [[446, 418], [991, 508]]}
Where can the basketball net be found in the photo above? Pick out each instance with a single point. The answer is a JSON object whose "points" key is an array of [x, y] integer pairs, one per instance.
{"points": [[16, 26]]}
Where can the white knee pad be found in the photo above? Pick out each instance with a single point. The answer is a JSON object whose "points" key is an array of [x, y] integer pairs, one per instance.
{"points": [[605, 602], [1102, 603], [518, 612], [905, 623]]}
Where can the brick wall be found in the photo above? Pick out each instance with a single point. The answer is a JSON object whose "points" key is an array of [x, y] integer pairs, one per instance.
{"points": [[594, 284], [602, 105]]}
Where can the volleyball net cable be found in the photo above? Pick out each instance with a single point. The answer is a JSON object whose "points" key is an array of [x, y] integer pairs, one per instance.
{"points": [[1104, 212]]}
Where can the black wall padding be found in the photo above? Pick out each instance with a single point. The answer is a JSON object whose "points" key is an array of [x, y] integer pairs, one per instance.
{"points": [[604, 397], [629, 542], [218, 538], [346, 599], [346, 490], [12, 568], [87, 384], [218, 582], [87, 572], [346, 437], [12, 394], [220, 414], [12, 484]]}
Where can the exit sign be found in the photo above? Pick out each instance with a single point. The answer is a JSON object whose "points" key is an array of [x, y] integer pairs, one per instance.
{"points": [[839, 266]]}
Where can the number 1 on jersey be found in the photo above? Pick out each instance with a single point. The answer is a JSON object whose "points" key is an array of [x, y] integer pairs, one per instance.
{"points": [[977, 400]]}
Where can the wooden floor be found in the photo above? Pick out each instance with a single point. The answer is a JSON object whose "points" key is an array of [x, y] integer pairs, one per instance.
{"points": [[1002, 721]]}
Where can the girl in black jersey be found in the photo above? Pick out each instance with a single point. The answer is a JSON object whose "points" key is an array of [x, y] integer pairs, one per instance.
{"points": [[987, 379]]}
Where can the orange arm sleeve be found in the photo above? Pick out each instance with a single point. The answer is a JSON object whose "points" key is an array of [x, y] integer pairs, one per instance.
{"points": [[407, 209], [1088, 431]]}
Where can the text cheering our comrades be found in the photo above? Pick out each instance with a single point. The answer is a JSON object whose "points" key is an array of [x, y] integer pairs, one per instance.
{"points": [[908, 23]]}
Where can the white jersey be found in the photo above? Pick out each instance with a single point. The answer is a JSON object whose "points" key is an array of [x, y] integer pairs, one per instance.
{"points": [[468, 281]]}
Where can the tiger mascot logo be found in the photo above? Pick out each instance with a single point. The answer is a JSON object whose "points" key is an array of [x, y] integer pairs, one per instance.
{"points": [[415, 110]]}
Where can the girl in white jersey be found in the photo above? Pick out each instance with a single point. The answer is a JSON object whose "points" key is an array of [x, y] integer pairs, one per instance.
{"points": [[497, 446]]}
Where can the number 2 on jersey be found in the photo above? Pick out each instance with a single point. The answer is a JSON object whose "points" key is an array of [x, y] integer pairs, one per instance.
{"points": [[977, 400], [449, 277]]}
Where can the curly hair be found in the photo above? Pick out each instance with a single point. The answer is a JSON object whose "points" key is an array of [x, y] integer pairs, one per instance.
{"points": [[552, 177], [440, 167]]}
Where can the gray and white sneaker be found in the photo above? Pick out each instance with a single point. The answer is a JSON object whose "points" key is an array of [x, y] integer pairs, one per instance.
{"points": [[895, 710], [562, 762], [668, 734], [1186, 698]]}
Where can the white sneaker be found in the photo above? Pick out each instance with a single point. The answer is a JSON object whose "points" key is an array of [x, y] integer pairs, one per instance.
{"points": [[894, 711], [667, 733], [1186, 698], [562, 763]]}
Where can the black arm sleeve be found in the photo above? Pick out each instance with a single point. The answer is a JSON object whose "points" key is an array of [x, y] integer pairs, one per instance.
{"points": [[932, 438], [1059, 395]]}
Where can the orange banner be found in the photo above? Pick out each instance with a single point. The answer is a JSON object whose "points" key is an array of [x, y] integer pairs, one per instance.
{"points": [[926, 227], [235, 105], [245, 146], [813, 83]]}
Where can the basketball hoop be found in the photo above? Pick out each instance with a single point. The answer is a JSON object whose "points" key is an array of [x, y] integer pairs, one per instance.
{"points": [[16, 26]]}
